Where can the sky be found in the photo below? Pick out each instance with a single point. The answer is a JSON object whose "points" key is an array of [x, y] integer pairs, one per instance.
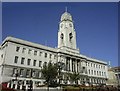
{"points": [[96, 25]]}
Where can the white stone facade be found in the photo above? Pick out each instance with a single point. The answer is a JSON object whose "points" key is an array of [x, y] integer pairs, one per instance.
{"points": [[22, 57]]}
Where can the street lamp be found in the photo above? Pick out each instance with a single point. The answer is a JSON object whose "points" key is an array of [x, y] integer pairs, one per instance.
{"points": [[31, 82], [59, 68]]}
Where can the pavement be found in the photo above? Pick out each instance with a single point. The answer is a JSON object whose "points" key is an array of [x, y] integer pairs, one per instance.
{"points": [[46, 89]]}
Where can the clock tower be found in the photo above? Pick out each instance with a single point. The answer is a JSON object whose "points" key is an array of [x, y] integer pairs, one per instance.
{"points": [[66, 34]]}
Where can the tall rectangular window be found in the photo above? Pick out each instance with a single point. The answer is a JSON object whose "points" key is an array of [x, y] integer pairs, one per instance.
{"points": [[16, 59], [92, 72], [14, 71], [22, 60], [40, 53], [29, 51], [28, 73], [104, 73], [34, 63], [23, 51], [40, 62], [50, 56], [21, 72], [100, 73], [28, 61], [54, 56], [35, 52], [45, 63], [97, 73], [45, 55], [88, 64], [89, 71], [17, 49], [91, 64]]}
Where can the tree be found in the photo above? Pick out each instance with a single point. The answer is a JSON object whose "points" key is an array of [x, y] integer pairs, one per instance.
{"points": [[74, 77], [50, 72]]}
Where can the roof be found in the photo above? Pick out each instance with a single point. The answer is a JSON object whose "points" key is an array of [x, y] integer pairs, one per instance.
{"points": [[66, 16], [36, 45]]}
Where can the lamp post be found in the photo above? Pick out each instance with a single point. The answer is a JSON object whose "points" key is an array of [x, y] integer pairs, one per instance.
{"points": [[59, 68], [31, 82]]}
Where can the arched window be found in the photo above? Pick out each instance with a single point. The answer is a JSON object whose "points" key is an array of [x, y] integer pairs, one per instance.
{"points": [[62, 36], [70, 36]]}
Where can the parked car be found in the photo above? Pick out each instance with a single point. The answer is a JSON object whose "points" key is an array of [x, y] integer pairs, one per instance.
{"points": [[3, 87]]}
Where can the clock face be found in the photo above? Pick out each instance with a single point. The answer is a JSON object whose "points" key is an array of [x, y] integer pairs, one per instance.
{"points": [[61, 25], [70, 25]]}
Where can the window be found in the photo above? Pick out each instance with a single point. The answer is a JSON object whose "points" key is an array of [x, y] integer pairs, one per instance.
{"points": [[28, 61], [91, 64], [15, 71], [104, 73], [45, 55], [22, 60], [40, 54], [96, 65], [29, 51], [45, 63], [23, 50], [94, 72], [88, 64], [62, 36], [99, 73], [40, 62], [54, 56], [99, 66], [34, 63], [39, 74], [16, 59], [34, 73], [17, 49], [35, 52], [21, 72], [103, 67], [28, 73], [70, 36], [50, 56], [89, 71]]}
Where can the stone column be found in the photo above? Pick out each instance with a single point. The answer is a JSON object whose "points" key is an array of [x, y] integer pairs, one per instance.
{"points": [[71, 64], [65, 64], [11, 85], [26, 86], [8, 85], [76, 65], [20, 86], [15, 86], [80, 66]]}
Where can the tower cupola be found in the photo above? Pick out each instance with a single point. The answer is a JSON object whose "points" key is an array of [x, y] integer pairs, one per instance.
{"points": [[66, 16], [66, 34]]}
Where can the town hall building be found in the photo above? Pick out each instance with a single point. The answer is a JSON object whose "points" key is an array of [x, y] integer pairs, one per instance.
{"points": [[23, 60]]}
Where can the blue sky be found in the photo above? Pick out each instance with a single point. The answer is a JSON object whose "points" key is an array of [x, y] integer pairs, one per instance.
{"points": [[96, 25]]}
